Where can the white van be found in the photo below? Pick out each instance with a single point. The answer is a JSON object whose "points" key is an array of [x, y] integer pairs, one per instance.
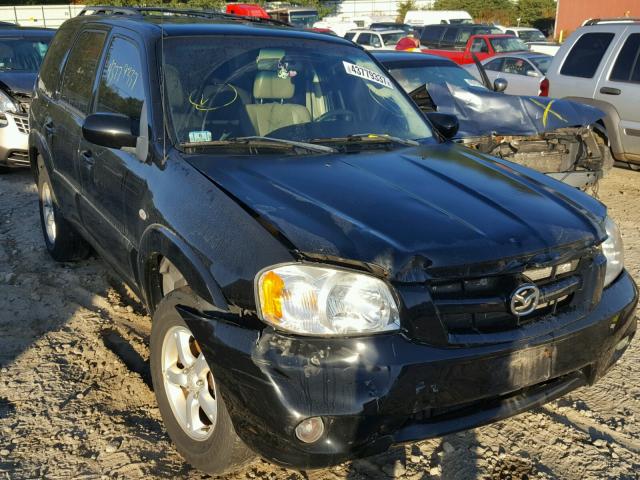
{"points": [[420, 18]]}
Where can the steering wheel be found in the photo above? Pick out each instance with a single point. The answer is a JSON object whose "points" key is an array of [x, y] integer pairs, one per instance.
{"points": [[335, 114]]}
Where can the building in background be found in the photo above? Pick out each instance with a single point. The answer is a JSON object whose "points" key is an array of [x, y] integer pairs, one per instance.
{"points": [[571, 14], [49, 16]]}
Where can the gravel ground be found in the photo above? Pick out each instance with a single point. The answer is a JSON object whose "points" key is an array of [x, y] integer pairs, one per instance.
{"points": [[75, 396]]}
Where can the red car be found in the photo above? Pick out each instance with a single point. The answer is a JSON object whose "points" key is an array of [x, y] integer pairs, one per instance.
{"points": [[483, 46], [247, 10]]}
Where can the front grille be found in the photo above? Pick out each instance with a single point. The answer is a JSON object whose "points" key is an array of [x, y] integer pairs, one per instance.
{"points": [[22, 122], [18, 157], [483, 305]]}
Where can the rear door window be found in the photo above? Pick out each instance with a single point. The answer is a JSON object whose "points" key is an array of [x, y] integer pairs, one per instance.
{"points": [[80, 70], [121, 87], [494, 65], [350, 35], [627, 66], [463, 37], [586, 55], [517, 66], [431, 35], [449, 38]]}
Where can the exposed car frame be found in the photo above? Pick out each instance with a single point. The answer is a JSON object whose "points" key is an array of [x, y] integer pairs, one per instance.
{"points": [[575, 154]]}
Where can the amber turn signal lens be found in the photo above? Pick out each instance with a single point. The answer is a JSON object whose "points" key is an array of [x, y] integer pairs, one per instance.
{"points": [[272, 290]]}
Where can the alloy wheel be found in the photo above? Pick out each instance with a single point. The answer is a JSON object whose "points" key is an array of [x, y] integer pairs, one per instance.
{"points": [[189, 384]]}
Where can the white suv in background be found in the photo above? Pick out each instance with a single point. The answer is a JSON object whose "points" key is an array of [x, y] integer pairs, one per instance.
{"points": [[376, 39], [599, 64]]}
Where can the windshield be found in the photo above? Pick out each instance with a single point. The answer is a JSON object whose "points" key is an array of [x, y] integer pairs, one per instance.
{"points": [[223, 87], [303, 19], [531, 36], [508, 44], [22, 54], [542, 63], [412, 77], [392, 38]]}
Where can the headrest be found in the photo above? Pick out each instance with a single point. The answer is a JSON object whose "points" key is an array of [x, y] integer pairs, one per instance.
{"points": [[268, 85], [269, 58]]}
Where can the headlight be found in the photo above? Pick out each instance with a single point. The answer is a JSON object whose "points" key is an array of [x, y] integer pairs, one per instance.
{"points": [[6, 104], [613, 250], [313, 300]]}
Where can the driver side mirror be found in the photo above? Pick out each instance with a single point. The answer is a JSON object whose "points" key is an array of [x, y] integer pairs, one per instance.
{"points": [[111, 130], [500, 85], [446, 125]]}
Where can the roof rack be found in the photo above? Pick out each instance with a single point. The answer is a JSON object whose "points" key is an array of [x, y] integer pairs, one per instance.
{"points": [[599, 21], [161, 11]]}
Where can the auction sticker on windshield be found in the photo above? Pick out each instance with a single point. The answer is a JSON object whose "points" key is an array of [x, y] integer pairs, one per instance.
{"points": [[367, 74]]}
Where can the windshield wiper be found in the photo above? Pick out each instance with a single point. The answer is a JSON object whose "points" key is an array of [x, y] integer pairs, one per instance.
{"points": [[360, 138], [257, 141]]}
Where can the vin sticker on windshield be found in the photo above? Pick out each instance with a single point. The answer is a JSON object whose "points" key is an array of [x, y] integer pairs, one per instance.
{"points": [[367, 74]]}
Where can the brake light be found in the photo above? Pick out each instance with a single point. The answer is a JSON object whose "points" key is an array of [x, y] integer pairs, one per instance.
{"points": [[544, 87]]}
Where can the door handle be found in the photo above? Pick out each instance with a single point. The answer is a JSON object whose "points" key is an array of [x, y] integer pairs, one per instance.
{"points": [[87, 156], [610, 91]]}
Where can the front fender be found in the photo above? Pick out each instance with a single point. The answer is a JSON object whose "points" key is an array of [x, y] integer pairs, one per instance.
{"points": [[611, 121], [38, 145], [158, 240]]}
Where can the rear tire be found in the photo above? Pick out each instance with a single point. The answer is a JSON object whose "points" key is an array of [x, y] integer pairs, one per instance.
{"points": [[63, 243], [193, 411]]}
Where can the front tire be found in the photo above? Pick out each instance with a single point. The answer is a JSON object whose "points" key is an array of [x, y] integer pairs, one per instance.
{"points": [[193, 411], [63, 243]]}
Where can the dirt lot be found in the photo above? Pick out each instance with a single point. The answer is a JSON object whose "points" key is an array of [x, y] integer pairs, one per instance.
{"points": [[75, 396]]}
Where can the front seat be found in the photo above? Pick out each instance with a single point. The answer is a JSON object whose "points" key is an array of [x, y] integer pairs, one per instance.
{"points": [[270, 113]]}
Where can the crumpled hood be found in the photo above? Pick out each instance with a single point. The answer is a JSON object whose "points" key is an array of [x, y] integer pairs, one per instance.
{"points": [[18, 82], [482, 112], [418, 208]]}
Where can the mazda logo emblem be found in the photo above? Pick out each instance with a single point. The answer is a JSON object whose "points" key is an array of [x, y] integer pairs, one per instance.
{"points": [[525, 299]]}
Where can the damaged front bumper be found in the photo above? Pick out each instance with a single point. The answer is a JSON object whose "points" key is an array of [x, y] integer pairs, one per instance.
{"points": [[576, 156], [372, 392]]}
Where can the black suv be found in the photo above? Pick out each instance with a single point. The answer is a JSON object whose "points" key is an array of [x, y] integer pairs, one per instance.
{"points": [[452, 37], [327, 275]]}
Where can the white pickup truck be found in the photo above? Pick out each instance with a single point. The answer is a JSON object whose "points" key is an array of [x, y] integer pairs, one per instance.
{"points": [[534, 38]]}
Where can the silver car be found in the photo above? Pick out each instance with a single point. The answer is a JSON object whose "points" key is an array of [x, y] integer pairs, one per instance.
{"points": [[522, 71], [21, 53], [598, 65]]}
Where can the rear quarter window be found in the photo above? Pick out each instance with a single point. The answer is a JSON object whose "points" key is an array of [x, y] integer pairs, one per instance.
{"points": [[49, 77], [586, 55], [627, 66]]}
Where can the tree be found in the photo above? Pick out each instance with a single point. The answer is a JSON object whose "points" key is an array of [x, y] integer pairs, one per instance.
{"points": [[537, 13], [403, 7]]}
